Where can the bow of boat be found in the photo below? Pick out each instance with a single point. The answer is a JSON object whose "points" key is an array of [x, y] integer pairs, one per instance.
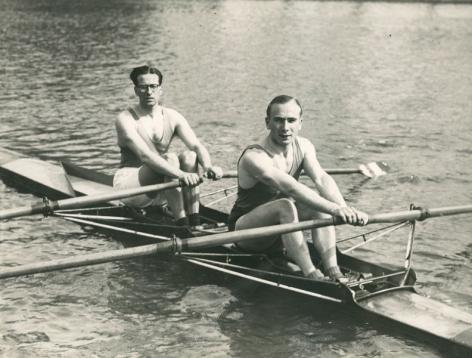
{"points": [[450, 329]]}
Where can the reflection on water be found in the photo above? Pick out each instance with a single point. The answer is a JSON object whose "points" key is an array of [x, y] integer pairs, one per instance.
{"points": [[378, 81]]}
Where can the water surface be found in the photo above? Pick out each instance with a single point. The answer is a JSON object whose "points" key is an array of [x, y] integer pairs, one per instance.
{"points": [[378, 81]]}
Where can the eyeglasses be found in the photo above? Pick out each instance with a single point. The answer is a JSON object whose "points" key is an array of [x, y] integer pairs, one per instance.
{"points": [[145, 88]]}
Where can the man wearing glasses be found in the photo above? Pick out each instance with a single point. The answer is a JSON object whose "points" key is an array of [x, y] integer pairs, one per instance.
{"points": [[145, 132]]}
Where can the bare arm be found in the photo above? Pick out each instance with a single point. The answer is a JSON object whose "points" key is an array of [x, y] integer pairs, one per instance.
{"points": [[323, 181], [328, 187], [259, 166], [186, 133]]}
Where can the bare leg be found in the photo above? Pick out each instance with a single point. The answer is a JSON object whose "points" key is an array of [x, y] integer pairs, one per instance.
{"points": [[280, 211], [188, 163], [324, 240], [174, 196]]}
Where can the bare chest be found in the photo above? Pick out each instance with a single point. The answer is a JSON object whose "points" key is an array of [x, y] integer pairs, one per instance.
{"points": [[151, 128], [283, 162]]}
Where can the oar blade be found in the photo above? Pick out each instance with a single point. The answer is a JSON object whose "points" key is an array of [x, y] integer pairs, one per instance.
{"points": [[374, 169]]}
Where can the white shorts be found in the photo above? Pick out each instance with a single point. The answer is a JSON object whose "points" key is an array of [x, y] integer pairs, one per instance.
{"points": [[126, 178]]}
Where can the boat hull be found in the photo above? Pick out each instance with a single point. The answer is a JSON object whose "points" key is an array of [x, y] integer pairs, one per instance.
{"points": [[394, 303], [434, 321]]}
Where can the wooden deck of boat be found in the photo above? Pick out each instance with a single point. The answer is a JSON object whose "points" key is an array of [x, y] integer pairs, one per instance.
{"points": [[61, 180], [423, 314]]}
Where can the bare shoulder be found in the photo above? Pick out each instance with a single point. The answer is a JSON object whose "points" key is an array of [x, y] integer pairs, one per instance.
{"points": [[306, 145], [124, 119], [255, 157], [174, 115], [311, 164], [254, 164]]}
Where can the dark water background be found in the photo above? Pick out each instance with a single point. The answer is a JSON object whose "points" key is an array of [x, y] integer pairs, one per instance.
{"points": [[378, 81]]}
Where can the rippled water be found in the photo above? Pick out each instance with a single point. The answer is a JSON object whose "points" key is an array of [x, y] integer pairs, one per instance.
{"points": [[378, 81]]}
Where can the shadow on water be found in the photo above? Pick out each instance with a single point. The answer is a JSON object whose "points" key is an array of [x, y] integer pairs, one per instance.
{"points": [[255, 319]]}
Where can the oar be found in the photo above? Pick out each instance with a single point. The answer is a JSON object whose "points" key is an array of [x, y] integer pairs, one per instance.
{"points": [[45, 207], [178, 245], [370, 170]]}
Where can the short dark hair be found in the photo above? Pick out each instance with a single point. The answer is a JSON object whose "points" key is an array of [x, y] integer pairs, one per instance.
{"points": [[282, 99], [142, 70]]}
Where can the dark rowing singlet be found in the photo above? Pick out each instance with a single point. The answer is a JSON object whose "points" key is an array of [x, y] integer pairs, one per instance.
{"points": [[260, 193], [129, 159]]}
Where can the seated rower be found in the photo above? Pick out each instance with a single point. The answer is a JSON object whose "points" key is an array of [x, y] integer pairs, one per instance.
{"points": [[269, 193], [145, 132]]}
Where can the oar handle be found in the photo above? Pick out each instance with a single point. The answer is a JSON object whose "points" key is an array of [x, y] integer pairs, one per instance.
{"points": [[230, 174]]}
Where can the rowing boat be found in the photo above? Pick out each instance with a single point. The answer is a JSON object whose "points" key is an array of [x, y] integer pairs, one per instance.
{"points": [[377, 291]]}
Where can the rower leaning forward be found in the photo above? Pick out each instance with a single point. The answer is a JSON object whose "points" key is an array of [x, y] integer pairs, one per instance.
{"points": [[269, 192], [145, 132]]}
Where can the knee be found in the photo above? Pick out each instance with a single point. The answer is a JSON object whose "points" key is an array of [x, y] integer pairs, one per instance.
{"points": [[188, 160], [288, 212]]}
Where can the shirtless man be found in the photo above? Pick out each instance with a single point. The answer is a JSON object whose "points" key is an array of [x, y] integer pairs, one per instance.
{"points": [[269, 193], [145, 132]]}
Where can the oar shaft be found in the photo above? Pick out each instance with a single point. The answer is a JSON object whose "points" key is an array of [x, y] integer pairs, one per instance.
{"points": [[267, 231], [336, 171], [74, 203], [419, 214], [86, 260], [256, 233], [331, 171], [23, 211], [163, 247], [81, 201]]}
